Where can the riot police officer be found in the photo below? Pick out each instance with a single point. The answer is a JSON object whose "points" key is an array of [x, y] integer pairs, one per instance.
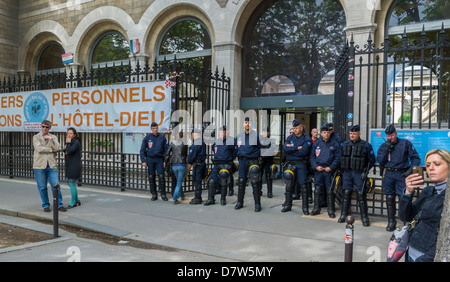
{"points": [[357, 159], [224, 151], [325, 158], [267, 159], [152, 153], [196, 158], [297, 148], [394, 156], [249, 145]]}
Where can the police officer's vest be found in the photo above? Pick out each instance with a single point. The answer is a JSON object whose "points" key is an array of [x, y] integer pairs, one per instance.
{"points": [[352, 156]]}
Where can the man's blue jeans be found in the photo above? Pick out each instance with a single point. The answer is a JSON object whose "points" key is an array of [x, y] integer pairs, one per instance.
{"points": [[179, 171], [42, 176]]}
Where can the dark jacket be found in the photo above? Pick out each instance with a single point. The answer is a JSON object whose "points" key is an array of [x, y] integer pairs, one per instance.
{"points": [[73, 159], [429, 205], [177, 153], [197, 151], [153, 147], [399, 156], [325, 154]]}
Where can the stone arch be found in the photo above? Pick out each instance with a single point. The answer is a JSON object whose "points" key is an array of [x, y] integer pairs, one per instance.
{"points": [[155, 23], [94, 24], [37, 38]]}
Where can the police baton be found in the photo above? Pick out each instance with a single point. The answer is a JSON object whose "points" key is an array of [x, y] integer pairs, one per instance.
{"points": [[55, 210], [348, 256]]}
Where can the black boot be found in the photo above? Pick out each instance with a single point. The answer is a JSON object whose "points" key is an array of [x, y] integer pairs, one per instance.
{"points": [[305, 204], [287, 205], [211, 193], [310, 199], [162, 187], [269, 186], [257, 195], [317, 193], [223, 195], [362, 201], [296, 191], [391, 210], [345, 207], [241, 192], [152, 183], [231, 186], [331, 207]]}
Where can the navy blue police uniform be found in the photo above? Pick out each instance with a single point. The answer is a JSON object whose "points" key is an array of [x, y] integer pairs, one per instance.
{"points": [[152, 152], [357, 159], [196, 158], [325, 154], [248, 153], [267, 161], [297, 150], [397, 160], [224, 152]]}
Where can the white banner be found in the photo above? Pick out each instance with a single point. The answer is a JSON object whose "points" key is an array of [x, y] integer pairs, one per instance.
{"points": [[109, 108]]}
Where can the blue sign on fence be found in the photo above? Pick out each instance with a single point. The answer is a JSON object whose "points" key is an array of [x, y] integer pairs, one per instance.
{"points": [[423, 140]]}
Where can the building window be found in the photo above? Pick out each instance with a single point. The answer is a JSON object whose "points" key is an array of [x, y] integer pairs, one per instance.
{"points": [[419, 64], [50, 60], [188, 39], [110, 49], [406, 12], [296, 39]]}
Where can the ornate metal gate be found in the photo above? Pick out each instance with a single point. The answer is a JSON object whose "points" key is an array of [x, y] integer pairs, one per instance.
{"points": [[103, 158], [406, 82]]}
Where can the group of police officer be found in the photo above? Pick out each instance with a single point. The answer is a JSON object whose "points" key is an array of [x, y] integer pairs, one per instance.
{"points": [[303, 159]]}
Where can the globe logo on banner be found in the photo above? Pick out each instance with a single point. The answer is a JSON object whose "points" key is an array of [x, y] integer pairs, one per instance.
{"points": [[36, 109]]}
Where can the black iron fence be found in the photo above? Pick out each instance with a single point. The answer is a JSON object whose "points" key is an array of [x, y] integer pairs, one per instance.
{"points": [[103, 158], [405, 81]]}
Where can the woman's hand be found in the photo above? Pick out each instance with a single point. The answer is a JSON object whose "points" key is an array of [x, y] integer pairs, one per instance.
{"points": [[412, 182]]}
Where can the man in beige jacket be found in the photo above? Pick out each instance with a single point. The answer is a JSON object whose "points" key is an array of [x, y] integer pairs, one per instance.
{"points": [[46, 146]]}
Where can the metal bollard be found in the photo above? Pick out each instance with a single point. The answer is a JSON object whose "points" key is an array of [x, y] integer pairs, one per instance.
{"points": [[349, 238], [55, 211]]}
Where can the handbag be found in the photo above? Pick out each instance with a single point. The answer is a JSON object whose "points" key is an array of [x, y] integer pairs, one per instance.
{"points": [[399, 241]]}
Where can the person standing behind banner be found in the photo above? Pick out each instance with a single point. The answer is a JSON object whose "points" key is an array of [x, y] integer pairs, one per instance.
{"points": [[72, 151], [176, 157], [45, 170], [325, 159], [395, 156], [152, 153], [196, 158]]}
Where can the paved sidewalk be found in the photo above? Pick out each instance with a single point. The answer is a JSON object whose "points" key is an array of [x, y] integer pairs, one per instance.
{"points": [[212, 233]]}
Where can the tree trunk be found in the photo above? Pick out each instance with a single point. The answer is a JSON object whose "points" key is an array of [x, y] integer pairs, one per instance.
{"points": [[443, 240]]}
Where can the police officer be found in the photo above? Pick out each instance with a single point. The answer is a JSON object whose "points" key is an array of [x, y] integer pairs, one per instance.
{"points": [[153, 149], [297, 148], [334, 136], [196, 158], [224, 152], [249, 145], [267, 159], [357, 159], [395, 156], [325, 158]]}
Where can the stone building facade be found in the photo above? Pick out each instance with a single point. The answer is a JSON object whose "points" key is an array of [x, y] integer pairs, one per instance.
{"points": [[29, 26]]}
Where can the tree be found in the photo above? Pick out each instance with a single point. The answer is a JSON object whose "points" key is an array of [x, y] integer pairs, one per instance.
{"points": [[443, 240]]}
